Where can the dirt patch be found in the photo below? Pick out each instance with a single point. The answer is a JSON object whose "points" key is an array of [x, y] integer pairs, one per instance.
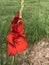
{"points": [[37, 55]]}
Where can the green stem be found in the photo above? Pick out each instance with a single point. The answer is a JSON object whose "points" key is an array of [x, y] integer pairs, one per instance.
{"points": [[12, 62]]}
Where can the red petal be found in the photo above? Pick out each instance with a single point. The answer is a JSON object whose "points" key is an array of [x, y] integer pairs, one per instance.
{"points": [[20, 28], [16, 18], [11, 50], [12, 26], [21, 45], [10, 38], [24, 35]]}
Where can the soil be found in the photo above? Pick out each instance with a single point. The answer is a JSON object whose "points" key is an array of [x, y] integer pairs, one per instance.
{"points": [[36, 55]]}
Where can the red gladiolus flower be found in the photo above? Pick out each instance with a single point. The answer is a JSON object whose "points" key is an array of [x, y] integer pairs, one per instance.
{"points": [[16, 18], [16, 38]]}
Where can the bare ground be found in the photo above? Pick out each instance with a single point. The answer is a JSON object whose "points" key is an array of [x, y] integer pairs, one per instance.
{"points": [[36, 55]]}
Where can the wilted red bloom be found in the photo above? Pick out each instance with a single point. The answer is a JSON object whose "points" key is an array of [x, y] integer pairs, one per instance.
{"points": [[16, 18], [16, 38]]}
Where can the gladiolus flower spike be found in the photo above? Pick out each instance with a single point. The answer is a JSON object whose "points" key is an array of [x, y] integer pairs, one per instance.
{"points": [[16, 38]]}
